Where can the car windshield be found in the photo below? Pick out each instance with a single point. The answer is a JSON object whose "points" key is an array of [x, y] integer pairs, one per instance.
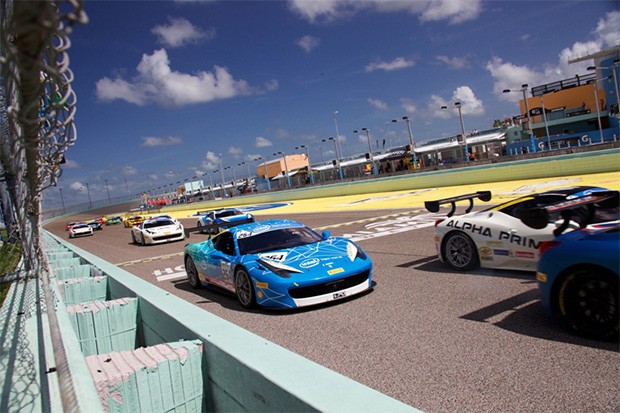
{"points": [[158, 223], [277, 239], [225, 214]]}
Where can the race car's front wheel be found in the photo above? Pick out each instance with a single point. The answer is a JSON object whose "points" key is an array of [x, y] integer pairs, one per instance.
{"points": [[588, 302], [192, 273], [244, 288], [459, 251], [133, 238]]}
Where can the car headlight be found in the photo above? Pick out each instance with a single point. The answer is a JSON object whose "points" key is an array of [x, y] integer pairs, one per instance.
{"points": [[277, 268], [353, 252]]}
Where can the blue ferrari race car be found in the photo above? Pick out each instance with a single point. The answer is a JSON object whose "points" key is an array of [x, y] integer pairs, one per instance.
{"points": [[215, 221], [279, 264]]}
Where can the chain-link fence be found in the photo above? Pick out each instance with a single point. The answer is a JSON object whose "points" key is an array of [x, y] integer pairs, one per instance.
{"points": [[37, 109]]}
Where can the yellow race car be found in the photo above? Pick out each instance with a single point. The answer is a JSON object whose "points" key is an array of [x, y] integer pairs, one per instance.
{"points": [[133, 220]]}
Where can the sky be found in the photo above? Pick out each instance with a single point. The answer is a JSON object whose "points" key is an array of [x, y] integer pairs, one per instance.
{"points": [[167, 90]]}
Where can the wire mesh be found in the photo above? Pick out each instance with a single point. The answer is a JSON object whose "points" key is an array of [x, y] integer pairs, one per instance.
{"points": [[37, 111]]}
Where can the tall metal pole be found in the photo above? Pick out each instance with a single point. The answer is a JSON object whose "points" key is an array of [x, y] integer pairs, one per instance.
{"points": [[108, 189], [372, 158], [529, 119], [337, 134], [542, 103], [411, 141], [90, 202], [309, 164], [62, 200], [598, 110], [458, 106]]}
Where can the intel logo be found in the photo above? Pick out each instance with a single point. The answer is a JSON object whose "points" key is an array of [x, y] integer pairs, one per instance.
{"points": [[309, 263]]}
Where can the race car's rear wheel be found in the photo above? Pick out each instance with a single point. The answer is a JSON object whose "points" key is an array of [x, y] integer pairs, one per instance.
{"points": [[192, 273], [588, 302], [199, 226], [244, 288], [459, 251]]}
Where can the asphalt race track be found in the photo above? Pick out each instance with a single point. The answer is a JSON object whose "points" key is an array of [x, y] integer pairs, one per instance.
{"points": [[439, 340]]}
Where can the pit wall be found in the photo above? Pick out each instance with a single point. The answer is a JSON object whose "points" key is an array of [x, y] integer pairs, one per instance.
{"points": [[241, 371], [556, 166]]}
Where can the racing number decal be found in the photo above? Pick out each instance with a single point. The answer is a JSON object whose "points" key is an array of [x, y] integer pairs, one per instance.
{"points": [[226, 272]]}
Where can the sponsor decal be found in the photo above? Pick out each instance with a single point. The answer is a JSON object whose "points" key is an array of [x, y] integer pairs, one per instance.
{"points": [[280, 256], [262, 285], [495, 243], [259, 294], [312, 262], [473, 228], [524, 254], [485, 252], [340, 294], [505, 253], [519, 240], [541, 276], [335, 271]]}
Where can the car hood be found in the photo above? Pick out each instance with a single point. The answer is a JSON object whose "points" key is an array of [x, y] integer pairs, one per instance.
{"points": [[329, 257], [159, 230]]}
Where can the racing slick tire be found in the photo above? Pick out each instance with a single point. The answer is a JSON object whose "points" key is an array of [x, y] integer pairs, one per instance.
{"points": [[133, 238], [244, 288], [142, 241], [588, 303], [199, 226], [459, 251], [192, 273]]}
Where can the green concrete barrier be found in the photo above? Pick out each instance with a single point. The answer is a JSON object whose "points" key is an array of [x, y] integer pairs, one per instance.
{"points": [[241, 371]]}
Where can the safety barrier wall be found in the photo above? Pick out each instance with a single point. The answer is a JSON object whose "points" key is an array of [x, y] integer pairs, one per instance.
{"points": [[561, 165], [242, 371]]}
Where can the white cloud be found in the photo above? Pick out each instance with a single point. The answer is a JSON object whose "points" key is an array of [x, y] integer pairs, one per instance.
{"points": [[179, 32], [261, 142], [70, 164], [157, 83], [511, 76], [608, 29], [408, 105], [470, 104], [453, 62], [129, 170], [377, 104], [235, 152], [396, 64], [308, 43], [455, 11], [152, 141], [211, 162], [78, 186]]}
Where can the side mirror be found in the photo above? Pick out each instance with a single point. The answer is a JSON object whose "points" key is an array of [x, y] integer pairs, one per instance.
{"points": [[325, 235]]}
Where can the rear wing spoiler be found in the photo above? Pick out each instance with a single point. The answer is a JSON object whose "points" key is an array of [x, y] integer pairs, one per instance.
{"points": [[433, 206], [215, 226], [570, 210]]}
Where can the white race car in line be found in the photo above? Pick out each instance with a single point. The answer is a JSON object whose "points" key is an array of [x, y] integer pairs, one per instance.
{"points": [[496, 237], [157, 231], [80, 230]]}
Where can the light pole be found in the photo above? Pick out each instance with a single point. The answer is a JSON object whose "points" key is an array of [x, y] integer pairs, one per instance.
{"points": [[527, 111], [337, 155], [412, 143], [62, 200], [334, 113], [108, 189], [90, 202], [288, 177], [371, 157], [308, 159], [613, 73], [598, 109], [234, 179], [458, 106], [266, 174], [247, 168]]}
